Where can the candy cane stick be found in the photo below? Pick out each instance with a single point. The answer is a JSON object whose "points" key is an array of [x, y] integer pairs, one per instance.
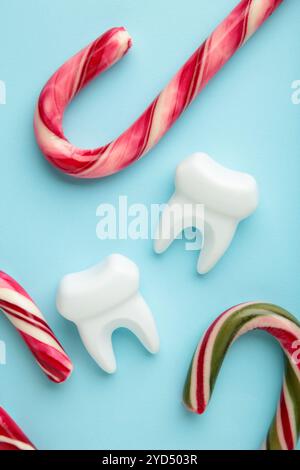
{"points": [[30, 323], [11, 436], [77, 72], [285, 428]]}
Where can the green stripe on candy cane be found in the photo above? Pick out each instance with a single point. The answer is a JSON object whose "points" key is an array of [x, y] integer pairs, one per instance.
{"points": [[293, 386], [211, 352], [231, 328], [187, 388]]}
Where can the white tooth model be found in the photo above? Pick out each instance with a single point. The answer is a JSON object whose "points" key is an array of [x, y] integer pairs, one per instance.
{"points": [[227, 197], [102, 299]]}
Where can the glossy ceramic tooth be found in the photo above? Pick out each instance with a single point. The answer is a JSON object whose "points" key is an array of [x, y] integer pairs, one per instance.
{"points": [[102, 299], [211, 198]]}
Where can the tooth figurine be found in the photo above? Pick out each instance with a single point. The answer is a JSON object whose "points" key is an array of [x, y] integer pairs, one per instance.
{"points": [[102, 299], [226, 198]]}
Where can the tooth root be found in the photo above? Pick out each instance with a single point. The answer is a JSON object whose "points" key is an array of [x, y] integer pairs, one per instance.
{"points": [[219, 233], [226, 198], [102, 299], [134, 315], [99, 345], [170, 224], [143, 325], [177, 215]]}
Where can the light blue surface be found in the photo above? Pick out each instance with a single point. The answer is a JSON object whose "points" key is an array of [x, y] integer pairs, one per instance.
{"points": [[246, 120]]}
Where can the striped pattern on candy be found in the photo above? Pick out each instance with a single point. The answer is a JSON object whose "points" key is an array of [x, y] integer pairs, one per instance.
{"points": [[207, 361], [11, 436], [31, 325], [136, 141]]}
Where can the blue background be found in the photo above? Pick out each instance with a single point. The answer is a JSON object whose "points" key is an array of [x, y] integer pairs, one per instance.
{"points": [[246, 120]]}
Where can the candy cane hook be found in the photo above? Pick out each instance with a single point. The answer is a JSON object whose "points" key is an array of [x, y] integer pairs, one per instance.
{"points": [[207, 361], [11, 436], [22, 312], [162, 113]]}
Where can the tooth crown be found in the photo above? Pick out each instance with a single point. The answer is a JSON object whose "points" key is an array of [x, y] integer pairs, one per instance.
{"points": [[203, 180], [102, 287], [102, 299]]}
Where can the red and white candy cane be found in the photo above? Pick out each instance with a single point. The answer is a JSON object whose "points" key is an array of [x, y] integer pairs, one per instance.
{"points": [[207, 361], [136, 141], [11, 436], [22, 312]]}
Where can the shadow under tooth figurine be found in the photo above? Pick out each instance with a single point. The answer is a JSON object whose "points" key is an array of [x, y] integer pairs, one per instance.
{"points": [[102, 299], [225, 196]]}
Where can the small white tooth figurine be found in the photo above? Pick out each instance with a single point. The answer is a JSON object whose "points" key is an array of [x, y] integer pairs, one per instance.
{"points": [[227, 197], [102, 299]]}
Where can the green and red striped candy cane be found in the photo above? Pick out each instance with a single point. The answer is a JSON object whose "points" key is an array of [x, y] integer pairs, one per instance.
{"points": [[207, 361]]}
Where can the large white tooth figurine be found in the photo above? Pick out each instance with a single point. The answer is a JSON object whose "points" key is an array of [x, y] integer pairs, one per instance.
{"points": [[102, 299], [226, 197]]}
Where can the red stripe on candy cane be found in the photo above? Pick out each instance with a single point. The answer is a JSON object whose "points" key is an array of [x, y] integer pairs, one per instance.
{"points": [[21, 311], [227, 328], [162, 113], [286, 424], [11, 436]]}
